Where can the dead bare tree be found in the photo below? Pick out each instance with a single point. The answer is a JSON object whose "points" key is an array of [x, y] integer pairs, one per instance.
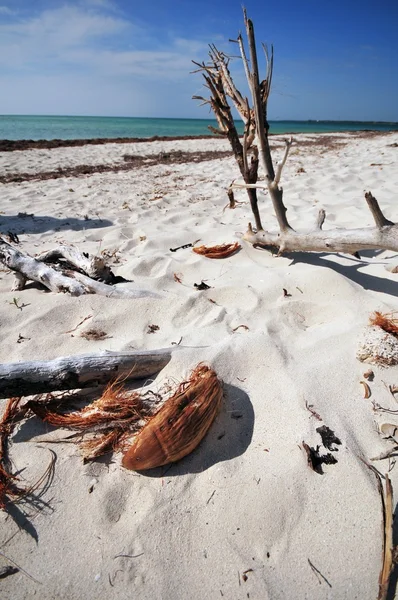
{"points": [[220, 83]]}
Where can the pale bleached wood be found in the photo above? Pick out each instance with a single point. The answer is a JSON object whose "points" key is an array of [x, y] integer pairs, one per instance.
{"points": [[27, 268], [111, 291], [93, 266], [349, 241], [260, 99], [77, 372]]}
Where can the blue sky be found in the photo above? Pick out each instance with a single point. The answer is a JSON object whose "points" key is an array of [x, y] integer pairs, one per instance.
{"points": [[334, 59]]}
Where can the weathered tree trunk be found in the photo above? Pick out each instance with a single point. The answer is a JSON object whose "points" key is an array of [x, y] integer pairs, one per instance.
{"points": [[76, 283], [76, 372]]}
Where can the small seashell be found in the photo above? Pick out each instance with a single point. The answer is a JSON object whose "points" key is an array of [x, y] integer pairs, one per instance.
{"points": [[388, 429], [221, 251], [179, 425], [367, 392]]}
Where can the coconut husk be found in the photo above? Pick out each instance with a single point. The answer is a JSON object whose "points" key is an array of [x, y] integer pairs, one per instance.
{"points": [[179, 425], [221, 251], [161, 435]]}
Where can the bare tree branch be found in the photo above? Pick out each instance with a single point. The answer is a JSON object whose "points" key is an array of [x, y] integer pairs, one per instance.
{"points": [[348, 241], [221, 85], [283, 161], [375, 209]]}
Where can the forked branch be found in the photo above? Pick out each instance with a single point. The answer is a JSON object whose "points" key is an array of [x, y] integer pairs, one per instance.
{"points": [[219, 82]]}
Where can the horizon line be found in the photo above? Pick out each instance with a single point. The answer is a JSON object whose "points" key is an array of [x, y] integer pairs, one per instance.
{"points": [[200, 118]]}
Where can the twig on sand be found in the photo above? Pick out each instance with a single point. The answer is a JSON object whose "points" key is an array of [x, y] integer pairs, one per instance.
{"points": [[78, 325], [387, 454], [208, 500], [318, 573], [386, 495], [310, 408], [128, 555], [19, 568]]}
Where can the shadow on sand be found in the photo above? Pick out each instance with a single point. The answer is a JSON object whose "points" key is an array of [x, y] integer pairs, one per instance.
{"points": [[39, 224], [229, 437], [351, 271]]}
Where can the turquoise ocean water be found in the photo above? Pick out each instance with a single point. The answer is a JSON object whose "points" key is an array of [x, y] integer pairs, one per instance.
{"points": [[17, 127]]}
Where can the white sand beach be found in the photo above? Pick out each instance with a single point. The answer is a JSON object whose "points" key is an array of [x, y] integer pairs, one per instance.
{"points": [[243, 516]]}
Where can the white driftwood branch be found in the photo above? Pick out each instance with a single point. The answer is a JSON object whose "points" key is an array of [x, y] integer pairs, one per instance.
{"points": [[260, 93], [244, 57], [76, 372], [229, 86], [26, 268], [348, 241], [280, 166], [259, 99], [93, 266], [256, 186], [110, 291]]}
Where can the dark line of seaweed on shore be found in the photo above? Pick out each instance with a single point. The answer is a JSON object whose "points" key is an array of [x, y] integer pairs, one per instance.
{"points": [[131, 162], [12, 145]]}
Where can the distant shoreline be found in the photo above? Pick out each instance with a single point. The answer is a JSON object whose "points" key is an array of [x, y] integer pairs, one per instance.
{"points": [[13, 145], [133, 129]]}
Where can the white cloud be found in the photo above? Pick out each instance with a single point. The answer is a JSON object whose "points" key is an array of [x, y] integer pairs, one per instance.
{"points": [[66, 26], [4, 10], [76, 47], [75, 37]]}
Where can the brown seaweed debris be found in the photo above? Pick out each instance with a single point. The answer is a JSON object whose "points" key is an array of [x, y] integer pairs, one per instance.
{"points": [[316, 460], [9, 489], [329, 438], [221, 251], [110, 419], [387, 321], [179, 425]]}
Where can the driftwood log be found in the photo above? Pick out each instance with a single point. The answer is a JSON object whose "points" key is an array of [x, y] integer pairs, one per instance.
{"points": [[255, 149], [77, 283], [93, 266], [77, 372]]}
